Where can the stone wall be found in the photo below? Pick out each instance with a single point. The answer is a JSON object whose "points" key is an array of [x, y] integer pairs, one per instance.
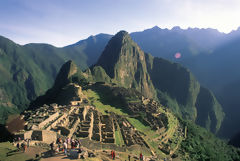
{"points": [[45, 122], [49, 136]]}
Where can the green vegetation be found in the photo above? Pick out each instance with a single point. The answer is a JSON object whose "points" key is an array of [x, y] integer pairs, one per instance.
{"points": [[95, 100], [203, 145], [141, 127], [28, 71], [8, 152], [119, 138]]}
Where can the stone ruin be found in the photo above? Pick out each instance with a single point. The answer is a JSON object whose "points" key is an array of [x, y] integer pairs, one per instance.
{"points": [[85, 122]]}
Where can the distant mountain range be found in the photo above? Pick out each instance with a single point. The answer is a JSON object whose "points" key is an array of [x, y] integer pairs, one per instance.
{"points": [[29, 70]]}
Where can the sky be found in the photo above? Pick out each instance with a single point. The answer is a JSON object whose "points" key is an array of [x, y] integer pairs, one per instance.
{"points": [[64, 22]]}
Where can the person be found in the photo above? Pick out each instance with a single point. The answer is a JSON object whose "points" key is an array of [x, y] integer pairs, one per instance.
{"points": [[18, 146], [114, 154], [22, 146], [72, 144], [57, 150], [59, 146], [76, 144], [51, 145], [141, 157], [129, 157], [28, 142], [65, 146]]}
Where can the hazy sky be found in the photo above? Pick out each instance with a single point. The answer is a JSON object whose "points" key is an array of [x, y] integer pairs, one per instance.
{"points": [[63, 22]]}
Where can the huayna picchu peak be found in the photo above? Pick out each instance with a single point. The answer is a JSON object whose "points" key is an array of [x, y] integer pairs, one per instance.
{"points": [[124, 62]]}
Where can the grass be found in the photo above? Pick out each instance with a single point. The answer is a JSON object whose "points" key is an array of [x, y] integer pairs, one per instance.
{"points": [[119, 138], [8, 152], [140, 126], [95, 101]]}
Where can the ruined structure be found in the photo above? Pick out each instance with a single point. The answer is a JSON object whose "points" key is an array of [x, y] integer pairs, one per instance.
{"points": [[97, 131]]}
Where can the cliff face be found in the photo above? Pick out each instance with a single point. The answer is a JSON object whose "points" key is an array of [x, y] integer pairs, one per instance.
{"points": [[124, 62]]}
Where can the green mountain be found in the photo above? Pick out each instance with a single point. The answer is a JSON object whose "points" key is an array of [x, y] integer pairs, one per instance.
{"points": [[62, 91], [170, 83], [125, 63], [213, 58], [112, 99], [28, 71]]}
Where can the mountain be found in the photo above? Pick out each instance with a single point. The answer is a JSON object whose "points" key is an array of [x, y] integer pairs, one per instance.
{"points": [[163, 133], [172, 84], [125, 63], [212, 57], [91, 48], [203, 51], [190, 42], [224, 72], [28, 71], [62, 91]]}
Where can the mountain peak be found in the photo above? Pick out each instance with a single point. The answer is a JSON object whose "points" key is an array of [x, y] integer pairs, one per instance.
{"points": [[121, 33], [67, 70], [112, 51], [124, 61]]}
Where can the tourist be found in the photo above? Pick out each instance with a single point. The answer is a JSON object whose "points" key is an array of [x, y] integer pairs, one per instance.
{"points": [[57, 150], [65, 146], [57, 141], [22, 146], [76, 144], [59, 146], [141, 157], [114, 154], [72, 145], [18, 146], [28, 142], [51, 145]]}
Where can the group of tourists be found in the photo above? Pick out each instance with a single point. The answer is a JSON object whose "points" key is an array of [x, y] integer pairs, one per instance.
{"points": [[74, 143], [22, 144]]}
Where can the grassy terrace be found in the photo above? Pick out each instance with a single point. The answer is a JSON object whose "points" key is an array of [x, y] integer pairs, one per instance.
{"points": [[119, 138], [94, 98], [8, 152]]}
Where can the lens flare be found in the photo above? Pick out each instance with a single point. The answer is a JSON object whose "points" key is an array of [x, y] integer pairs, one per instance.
{"points": [[178, 55]]}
